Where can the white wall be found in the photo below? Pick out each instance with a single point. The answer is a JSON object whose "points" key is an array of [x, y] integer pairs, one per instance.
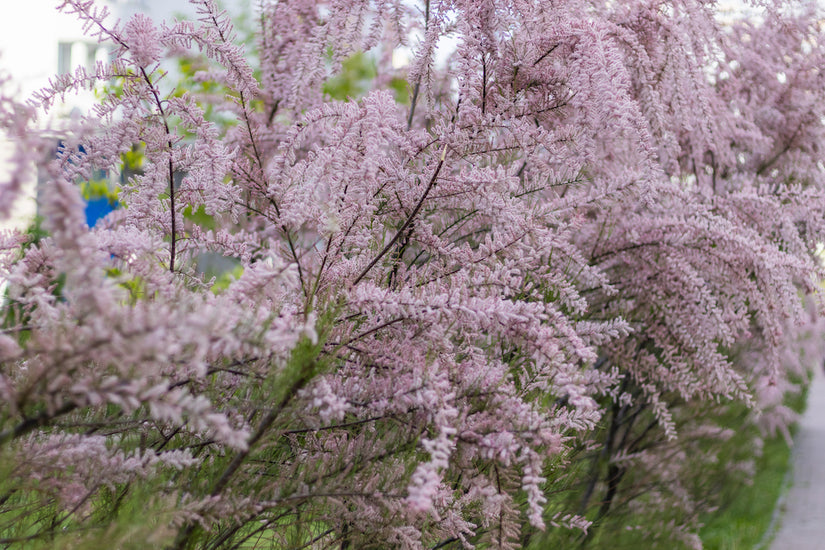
{"points": [[30, 31]]}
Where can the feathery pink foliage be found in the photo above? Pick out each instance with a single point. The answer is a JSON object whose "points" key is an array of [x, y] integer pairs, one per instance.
{"points": [[593, 220]]}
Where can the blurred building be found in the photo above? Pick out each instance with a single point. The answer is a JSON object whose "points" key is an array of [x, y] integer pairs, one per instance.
{"points": [[38, 42]]}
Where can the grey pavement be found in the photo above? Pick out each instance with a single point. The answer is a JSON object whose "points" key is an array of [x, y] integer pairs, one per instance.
{"points": [[802, 510]]}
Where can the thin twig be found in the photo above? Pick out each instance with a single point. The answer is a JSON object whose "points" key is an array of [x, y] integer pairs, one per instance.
{"points": [[410, 219]]}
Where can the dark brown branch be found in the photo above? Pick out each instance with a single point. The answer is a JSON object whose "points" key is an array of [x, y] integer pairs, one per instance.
{"points": [[410, 219], [417, 86], [30, 424], [159, 104]]}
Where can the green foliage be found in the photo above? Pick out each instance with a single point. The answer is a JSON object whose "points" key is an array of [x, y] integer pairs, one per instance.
{"points": [[127, 517], [204, 91], [133, 160], [223, 280], [98, 189], [354, 80], [134, 285], [34, 233], [400, 90], [199, 217]]}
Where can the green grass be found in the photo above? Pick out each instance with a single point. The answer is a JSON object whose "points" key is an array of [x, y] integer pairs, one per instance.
{"points": [[743, 519], [742, 522]]}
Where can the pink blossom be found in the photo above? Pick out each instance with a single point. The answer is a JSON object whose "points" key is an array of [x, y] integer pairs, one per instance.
{"points": [[143, 40]]}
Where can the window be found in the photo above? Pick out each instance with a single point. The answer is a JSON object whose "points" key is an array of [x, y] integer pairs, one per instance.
{"points": [[72, 54], [64, 57]]}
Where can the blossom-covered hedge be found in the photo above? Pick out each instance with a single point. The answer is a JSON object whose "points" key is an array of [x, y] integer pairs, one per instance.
{"points": [[487, 312]]}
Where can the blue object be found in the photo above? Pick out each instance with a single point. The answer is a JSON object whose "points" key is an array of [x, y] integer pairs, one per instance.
{"points": [[97, 209]]}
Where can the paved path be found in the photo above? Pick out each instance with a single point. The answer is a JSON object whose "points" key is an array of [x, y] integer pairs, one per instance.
{"points": [[802, 523]]}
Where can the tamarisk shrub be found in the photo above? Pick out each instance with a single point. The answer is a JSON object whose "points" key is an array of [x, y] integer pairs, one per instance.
{"points": [[484, 313]]}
